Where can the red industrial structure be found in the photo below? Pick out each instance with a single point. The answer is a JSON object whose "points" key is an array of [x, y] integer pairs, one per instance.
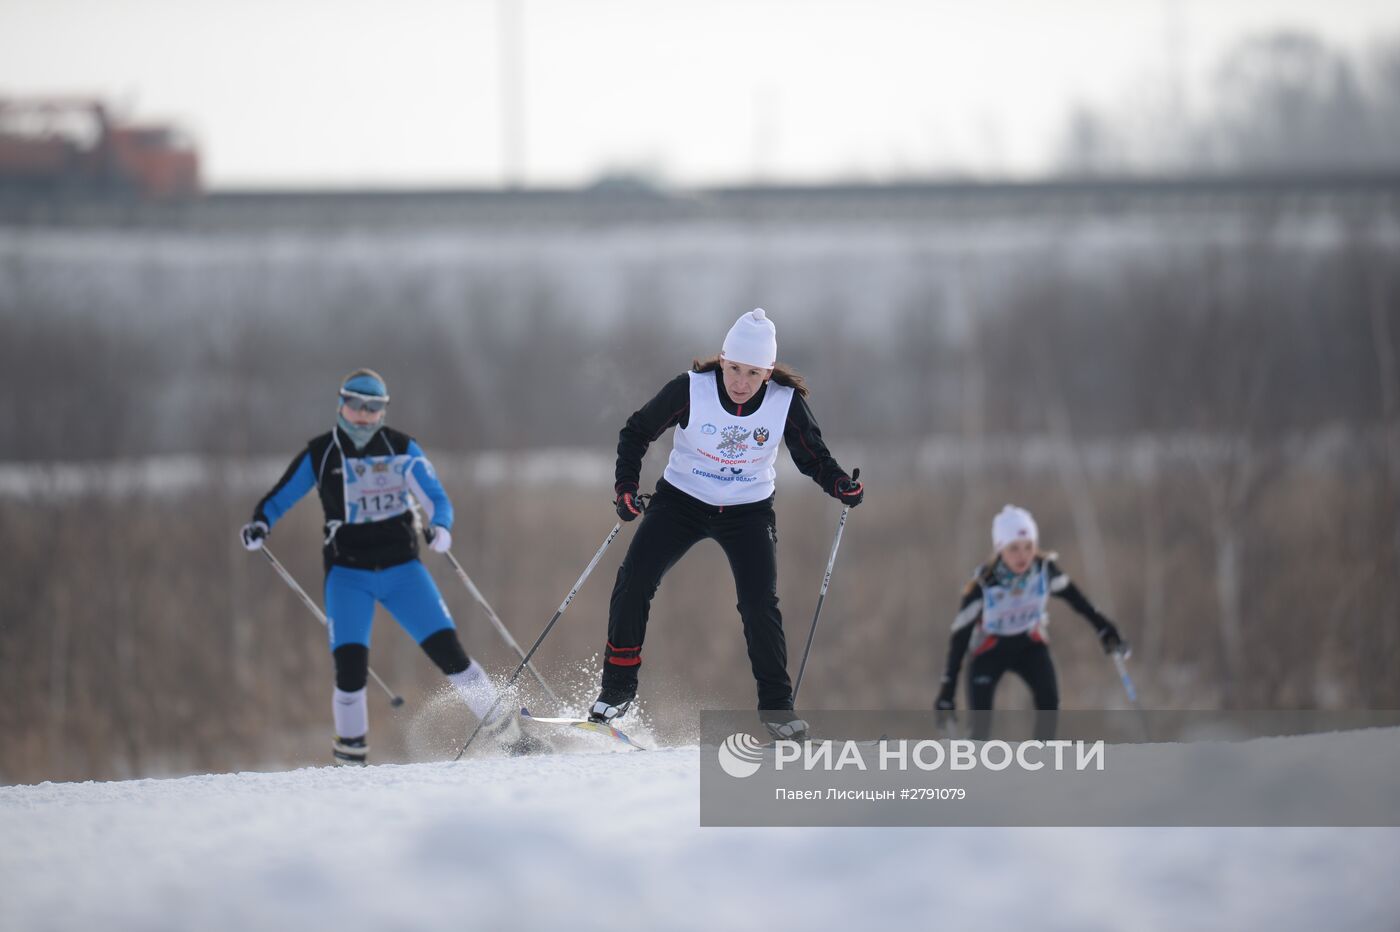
{"points": [[76, 144]]}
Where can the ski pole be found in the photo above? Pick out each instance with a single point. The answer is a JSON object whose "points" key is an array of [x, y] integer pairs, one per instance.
{"points": [[617, 529], [1143, 724], [826, 581], [395, 699], [1118, 658], [500, 625]]}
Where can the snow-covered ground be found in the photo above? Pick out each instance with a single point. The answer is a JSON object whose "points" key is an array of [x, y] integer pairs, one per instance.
{"points": [[612, 841]]}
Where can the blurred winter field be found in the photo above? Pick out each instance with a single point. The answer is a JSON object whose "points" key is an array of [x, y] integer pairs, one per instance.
{"points": [[611, 840]]}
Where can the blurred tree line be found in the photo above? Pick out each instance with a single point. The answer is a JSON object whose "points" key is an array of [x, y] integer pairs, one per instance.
{"points": [[235, 350], [1278, 101]]}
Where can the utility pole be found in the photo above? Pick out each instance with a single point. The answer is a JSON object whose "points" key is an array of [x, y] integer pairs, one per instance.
{"points": [[511, 43], [1176, 49]]}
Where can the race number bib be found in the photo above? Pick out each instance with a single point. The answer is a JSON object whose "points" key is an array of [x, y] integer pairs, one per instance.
{"points": [[376, 488], [1006, 611]]}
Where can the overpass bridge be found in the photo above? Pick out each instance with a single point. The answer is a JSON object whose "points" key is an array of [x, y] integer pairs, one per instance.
{"points": [[1353, 194]]}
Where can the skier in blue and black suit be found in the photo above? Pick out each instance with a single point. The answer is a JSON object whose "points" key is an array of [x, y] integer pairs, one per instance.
{"points": [[364, 473]]}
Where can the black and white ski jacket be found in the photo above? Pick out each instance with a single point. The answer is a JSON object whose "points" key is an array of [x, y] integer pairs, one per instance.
{"points": [[996, 606], [364, 493], [671, 408]]}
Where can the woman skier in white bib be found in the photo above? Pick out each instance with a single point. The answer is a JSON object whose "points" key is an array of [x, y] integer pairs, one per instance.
{"points": [[730, 412], [1002, 621]]}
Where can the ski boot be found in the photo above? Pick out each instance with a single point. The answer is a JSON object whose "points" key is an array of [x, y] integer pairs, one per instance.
{"points": [[349, 752], [514, 740], [612, 704], [791, 728]]}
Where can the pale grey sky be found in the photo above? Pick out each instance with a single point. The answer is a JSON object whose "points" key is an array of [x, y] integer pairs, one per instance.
{"points": [[409, 92]]}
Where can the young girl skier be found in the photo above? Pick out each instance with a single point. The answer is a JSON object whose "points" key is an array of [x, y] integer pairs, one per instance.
{"points": [[729, 413], [365, 472], [1002, 619]]}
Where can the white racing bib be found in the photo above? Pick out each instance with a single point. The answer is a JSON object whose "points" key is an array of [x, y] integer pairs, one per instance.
{"points": [[725, 459], [1007, 611], [376, 487]]}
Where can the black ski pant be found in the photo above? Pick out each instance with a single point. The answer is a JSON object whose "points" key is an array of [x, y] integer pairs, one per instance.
{"points": [[442, 647], [1027, 657], [672, 524]]}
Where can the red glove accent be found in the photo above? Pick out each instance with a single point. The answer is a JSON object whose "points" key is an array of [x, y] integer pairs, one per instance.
{"points": [[626, 505]]}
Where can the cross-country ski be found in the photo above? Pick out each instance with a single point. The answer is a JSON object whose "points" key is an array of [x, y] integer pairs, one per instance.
{"points": [[584, 725]]}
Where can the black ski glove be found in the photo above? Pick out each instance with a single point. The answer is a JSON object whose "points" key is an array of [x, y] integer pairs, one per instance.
{"points": [[1111, 640], [850, 491], [628, 506], [945, 701], [945, 715], [253, 533]]}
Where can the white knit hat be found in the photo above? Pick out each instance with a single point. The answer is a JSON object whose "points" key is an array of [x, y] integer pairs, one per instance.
{"points": [[1013, 524], [753, 339]]}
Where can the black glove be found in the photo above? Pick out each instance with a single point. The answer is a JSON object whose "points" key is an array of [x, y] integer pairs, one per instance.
{"points": [[628, 506], [850, 491], [253, 534], [945, 702], [944, 707], [1111, 640]]}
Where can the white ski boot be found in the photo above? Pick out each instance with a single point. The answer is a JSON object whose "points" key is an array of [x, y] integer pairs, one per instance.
{"points": [[612, 704], [349, 752], [793, 729]]}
